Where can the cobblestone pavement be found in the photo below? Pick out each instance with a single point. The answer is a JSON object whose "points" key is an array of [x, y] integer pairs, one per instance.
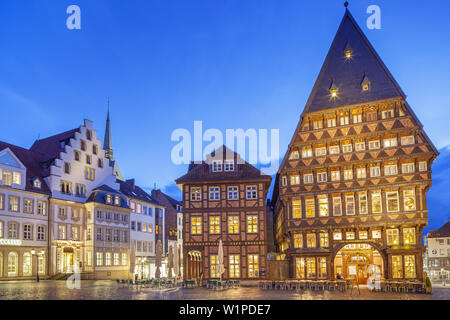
{"points": [[109, 290]]}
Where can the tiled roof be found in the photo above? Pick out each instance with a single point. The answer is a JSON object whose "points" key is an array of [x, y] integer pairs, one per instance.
{"points": [[172, 201], [348, 74], [50, 147], [131, 190], [98, 195], [31, 160], [443, 232], [202, 172]]}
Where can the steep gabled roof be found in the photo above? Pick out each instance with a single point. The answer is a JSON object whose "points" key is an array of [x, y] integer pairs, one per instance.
{"points": [[31, 160], [50, 147], [347, 75], [244, 171], [98, 195], [131, 190], [442, 232]]}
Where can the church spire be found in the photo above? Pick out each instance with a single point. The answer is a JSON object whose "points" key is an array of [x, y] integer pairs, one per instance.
{"points": [[107, 143]]}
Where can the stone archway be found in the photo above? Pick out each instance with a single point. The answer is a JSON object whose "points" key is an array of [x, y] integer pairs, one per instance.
{"points": [[194, 265], [358, 261]]}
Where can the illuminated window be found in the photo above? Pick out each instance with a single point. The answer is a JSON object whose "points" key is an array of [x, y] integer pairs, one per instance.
{"points": [[295, 180], [296, 209], [307, 152], [252, 193], [348, 174], [346, 148], [363, 203], [392, 201], [375, 171], [214, 225], [17, 178], [407, 140], [217, 166], [294, 155], [235, 270], [391, 142], [409, 236], [410, 267], [390, 170], [308, 178], [350, 205], [108, 259], [334, 149], [374, 144], [331, 123], [233, 224], [196, 225], [300, 268], [409, 200], [7, 177], [322, 267], [311, 240], [321, 152], [214, 264], [27, 206], [392, 237], [116, 259], [337, 206], [12, 264], [323, 206], [310, 210], [298, 240], [349, 236], [363, 235], [376, 234], [408, 167], [284, 181], [361, 173], [376, 202], [344, 120], [357, 118], [196, 194], [324, 239], [318, 124], [311, 268], [124, 259], [360, 146], [99, 258], [423, 166], [253, 265], [252, 224], [397, 267], [337, 236], [335, 175]]}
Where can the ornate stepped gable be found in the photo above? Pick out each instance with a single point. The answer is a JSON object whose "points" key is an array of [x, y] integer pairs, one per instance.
{"points": [[355, 136]]}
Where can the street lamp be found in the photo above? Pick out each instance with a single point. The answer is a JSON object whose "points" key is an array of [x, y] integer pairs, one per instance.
{"points": [[37, 254]]}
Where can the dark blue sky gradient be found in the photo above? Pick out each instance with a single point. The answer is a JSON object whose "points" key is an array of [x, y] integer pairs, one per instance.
{"points": [[230, 63]]}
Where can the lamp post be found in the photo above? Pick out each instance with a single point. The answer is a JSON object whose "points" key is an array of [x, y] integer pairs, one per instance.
{"points": [[37, 254]]}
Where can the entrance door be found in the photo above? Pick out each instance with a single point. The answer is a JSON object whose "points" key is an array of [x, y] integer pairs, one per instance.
{"points": [[68, 262]]}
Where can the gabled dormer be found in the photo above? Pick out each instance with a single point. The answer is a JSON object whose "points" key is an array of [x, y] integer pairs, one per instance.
{"points": [[12, 171]]}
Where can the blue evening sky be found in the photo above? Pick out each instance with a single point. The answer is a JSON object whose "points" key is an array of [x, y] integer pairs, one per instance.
{"points": [[230, 63]]}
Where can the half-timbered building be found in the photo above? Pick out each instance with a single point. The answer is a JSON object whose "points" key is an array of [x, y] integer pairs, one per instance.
{"points": [[224, 199], [350, 195]]}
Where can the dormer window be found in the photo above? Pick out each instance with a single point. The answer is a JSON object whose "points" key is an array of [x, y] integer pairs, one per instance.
{"points": [[229, 165], [117, 200], [294, 155], [348, 51], [108, 198], [334, 93], [365, 87], [37, 183], [217, 166]]}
